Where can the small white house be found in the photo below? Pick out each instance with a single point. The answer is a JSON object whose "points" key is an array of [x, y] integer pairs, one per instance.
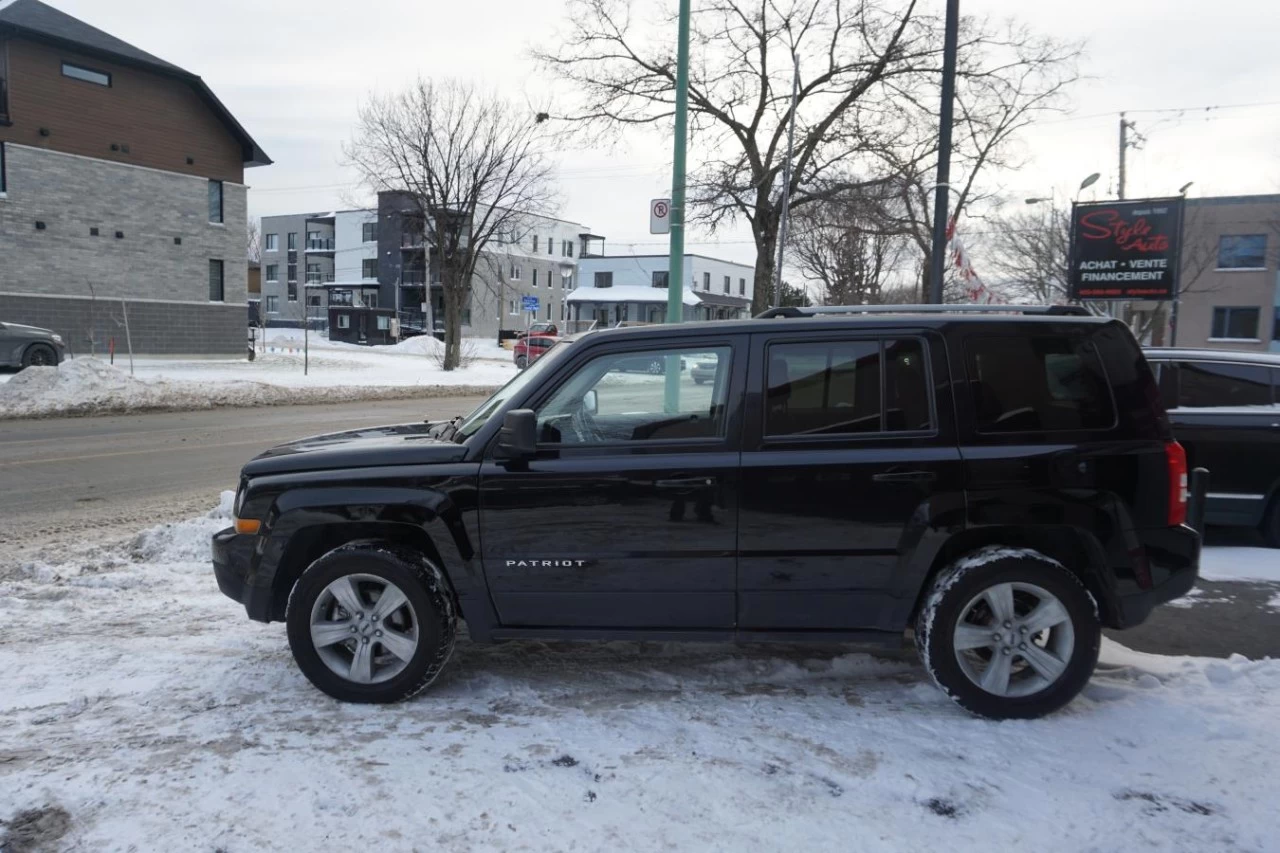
{"points": [[616, 289]]}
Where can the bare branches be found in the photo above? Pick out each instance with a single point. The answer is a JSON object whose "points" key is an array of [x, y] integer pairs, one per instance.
{"points": [[472, 164], [865, 108]]}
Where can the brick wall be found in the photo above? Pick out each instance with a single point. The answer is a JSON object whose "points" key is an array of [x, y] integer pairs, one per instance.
{"points": [[150, 208], [156, 327]]}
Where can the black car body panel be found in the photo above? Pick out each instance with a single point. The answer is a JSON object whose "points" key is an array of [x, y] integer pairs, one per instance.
{"points": [[756, 524], [1225, 410], [16, 341]]}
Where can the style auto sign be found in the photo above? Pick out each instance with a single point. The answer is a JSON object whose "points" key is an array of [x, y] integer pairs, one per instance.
{"points": [[1125, 249]]}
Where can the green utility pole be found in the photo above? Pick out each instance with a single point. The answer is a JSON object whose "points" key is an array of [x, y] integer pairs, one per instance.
{"points": [[675, 269]]}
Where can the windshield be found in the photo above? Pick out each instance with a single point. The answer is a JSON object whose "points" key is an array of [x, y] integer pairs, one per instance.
{"points": [[478, 418]]}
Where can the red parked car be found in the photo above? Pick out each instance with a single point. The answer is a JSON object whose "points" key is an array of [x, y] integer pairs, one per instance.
{"points": [[527, 350], [541, 329]]}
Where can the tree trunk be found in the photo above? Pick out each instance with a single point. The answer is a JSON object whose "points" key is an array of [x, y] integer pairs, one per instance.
{"points": [[766, 259], [454, 296]]}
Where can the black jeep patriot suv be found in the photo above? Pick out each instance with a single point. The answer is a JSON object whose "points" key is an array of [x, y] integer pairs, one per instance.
{"points": [[1005, 484]]}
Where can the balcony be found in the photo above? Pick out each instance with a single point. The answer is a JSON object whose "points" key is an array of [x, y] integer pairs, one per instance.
{"points": [[323, 244], [413, 278], [320, 278]]}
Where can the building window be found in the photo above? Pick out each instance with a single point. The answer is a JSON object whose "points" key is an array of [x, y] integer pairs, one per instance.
{"points": [[292, 270], [313, 274], [726, 284], [551, 245], [706, 281], [1234, 322], [292, 288], [369, 268], [273, 243], [215, 281], [369, 232], [273, 304], [1242, 252], [370, 298], [384, 323], [535, 277], [571, 248], [660, 278], [604, 279], [293, 241], [742, 287], [273, 273], [516, 272], [88, 75], [313, 300], [513, 307], [344, 321], [340, 297], [535, 242], [215, 201]]}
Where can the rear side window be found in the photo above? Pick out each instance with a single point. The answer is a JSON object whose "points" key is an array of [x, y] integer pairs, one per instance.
{"points": [[847, 388], [1209, 385], [1037, 384]]}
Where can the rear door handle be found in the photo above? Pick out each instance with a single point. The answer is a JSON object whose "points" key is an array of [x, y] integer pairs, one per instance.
{"points": [[684, 483], [904, 477]]}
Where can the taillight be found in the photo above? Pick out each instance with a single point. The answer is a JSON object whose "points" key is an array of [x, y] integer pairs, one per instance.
{"points": [[1177, 459]]}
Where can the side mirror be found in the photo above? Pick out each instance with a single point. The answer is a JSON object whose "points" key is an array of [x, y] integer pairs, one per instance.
{"points": [[591, 402], [518, 438]]}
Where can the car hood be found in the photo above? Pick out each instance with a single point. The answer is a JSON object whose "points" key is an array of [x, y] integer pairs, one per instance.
{"points": [[28, 330], [399, 444]]}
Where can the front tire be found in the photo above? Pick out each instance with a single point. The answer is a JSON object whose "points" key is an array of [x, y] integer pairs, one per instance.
{"points": [[371, 622], [522, 363], [1008, 633], [39, 355]]}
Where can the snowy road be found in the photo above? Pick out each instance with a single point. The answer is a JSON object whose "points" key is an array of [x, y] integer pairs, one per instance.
{"points": [[70, 476], [143, 711]]}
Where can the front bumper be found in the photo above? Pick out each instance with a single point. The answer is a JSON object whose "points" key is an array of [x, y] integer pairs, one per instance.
{"points": [[233, 561]]}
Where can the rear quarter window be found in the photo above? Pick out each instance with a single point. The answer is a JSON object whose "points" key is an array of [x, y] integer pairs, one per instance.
{"points": [[1046, 383], [1212, 385]]}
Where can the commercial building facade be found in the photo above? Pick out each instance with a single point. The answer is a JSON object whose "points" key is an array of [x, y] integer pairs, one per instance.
{"points": [[633, 289], [121, 191]]}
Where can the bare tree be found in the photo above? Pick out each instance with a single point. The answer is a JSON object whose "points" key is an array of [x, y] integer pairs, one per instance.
{"points": [[472, 164], [254, 248], [850, 247], [867, 69], [1027, 254]]}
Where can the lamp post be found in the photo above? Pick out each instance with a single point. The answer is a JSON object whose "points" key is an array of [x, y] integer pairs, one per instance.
{"points": [[675, 263], [949, 47]]}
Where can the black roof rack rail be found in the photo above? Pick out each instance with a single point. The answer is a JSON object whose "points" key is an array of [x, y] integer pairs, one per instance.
{"points": [[1029, 310]]}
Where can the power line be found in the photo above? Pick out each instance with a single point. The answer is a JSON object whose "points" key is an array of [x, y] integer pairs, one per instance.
{"points": [[1210, 108]]}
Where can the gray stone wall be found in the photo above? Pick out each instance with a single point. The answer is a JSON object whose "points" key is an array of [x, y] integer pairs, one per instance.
{"points": [[150, 209], [160, 328]]}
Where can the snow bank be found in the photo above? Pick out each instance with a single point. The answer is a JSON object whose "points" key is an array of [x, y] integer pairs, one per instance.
{"points": [[1240, 564], [89, 386], [140, 703]]}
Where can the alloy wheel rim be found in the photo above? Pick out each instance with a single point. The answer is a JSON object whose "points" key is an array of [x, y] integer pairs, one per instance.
{"points": [[1014, 639], [364, 629]]}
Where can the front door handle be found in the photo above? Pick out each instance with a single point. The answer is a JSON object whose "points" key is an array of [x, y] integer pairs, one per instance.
{"points": [[904, 477], [684, 483]]}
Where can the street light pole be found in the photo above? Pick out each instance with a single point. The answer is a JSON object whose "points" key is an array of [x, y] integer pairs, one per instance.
{"points": [[786, 185], [940, 199], [675, 267]]}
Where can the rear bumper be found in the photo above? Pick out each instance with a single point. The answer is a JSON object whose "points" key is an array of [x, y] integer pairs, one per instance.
{"points": [[233, 562], [1170, 558]]}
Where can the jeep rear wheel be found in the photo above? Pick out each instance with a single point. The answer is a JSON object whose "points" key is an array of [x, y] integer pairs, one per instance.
{"points": [[1008, 633], [371, 622]]}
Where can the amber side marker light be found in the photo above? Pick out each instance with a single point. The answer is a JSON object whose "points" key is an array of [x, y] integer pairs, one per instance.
{"points": [[247, 525]]}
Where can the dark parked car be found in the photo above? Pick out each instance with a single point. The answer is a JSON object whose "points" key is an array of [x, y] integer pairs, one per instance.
{"points": [[29, 346], [1225, 409], [528, 350], [1005, 484]]}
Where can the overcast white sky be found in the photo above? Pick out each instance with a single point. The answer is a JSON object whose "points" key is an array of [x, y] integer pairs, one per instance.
{"points": [[294, 73]]}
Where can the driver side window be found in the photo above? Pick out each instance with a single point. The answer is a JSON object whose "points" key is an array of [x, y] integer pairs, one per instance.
{"points": [[622, 397]]}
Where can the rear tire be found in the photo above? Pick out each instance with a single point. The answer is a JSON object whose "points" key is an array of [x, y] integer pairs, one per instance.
{"points": [[372, 665], [970, 637], [522, 362], [39, 355]]}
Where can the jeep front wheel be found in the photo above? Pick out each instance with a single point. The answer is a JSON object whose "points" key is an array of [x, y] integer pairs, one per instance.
{"points": [[371, 622], [1008, 633]]}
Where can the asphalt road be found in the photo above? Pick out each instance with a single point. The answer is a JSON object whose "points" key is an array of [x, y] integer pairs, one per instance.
{"points": [[74, 478], [67, 481]]}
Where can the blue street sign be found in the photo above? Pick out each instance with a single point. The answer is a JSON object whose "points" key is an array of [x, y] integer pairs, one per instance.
{"points": [[529, 303]]}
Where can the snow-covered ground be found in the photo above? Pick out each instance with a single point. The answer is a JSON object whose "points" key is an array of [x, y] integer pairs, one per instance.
{"points": [[335, 372], [142, 710], [1259, 565]]}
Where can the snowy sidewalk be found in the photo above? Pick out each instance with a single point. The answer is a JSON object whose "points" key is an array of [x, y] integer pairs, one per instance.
{"points": [[143, 709], [336, 373]]}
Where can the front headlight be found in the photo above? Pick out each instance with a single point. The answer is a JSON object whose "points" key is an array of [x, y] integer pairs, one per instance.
{"points": [[57, 339]]}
